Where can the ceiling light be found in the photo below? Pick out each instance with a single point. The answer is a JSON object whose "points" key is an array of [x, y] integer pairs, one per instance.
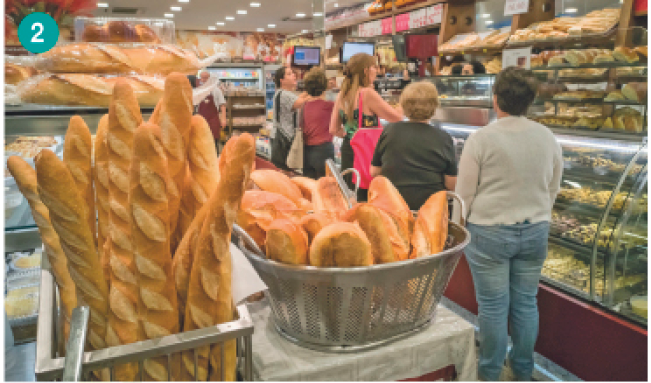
{"points": [[255, 5], [304, 31], [211, 28], [260, 29], [102, 5], [336, 5], [184, 1], [300, 15], [220, 23], [169, 15], [229, 18], [175, 9], [571, 10], [489, 22], [317, 14], [241, 12], [486, 15], [271, 25]]}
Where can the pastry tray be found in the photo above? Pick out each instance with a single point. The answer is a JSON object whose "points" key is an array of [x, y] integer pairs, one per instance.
{"points": [[570, 39], [572, 100], [614, 64]]}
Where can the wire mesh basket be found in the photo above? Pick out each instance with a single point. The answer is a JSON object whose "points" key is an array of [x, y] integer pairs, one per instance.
{"points": [[351, 309], [50, 362]]}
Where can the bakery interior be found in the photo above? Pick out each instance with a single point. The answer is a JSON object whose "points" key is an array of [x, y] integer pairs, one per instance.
{"points": [[590, 57]]}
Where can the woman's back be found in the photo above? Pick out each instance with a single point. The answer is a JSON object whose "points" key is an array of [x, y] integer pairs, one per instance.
{"points": [[316, 122]]}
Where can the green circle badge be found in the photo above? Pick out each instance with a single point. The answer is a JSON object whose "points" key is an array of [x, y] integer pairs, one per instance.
{"points": [[38, 32]]}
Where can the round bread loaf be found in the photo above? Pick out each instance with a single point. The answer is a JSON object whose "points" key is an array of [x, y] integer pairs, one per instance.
{"points": [[286, 242], [341, 244]]}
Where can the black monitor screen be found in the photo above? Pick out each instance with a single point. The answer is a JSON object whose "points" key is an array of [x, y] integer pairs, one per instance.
{"points": [[307, 55]]}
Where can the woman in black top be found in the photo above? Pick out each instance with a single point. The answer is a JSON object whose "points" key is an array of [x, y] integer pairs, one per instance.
{"points": [[418, 158]]}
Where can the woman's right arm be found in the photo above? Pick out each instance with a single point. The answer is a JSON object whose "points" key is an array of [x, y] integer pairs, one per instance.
{"points": [[381, 108], [336, 127]]}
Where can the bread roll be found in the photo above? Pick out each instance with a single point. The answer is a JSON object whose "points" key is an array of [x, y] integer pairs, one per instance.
{"points": [[157, 303], [305, 185], [276, 182], [174, 114], [431, 229], [382, 194], [210, 299], [101, 181], [94, 34], [68, 215], [328, 198], [123, 325], [25, 178], [625, 54], [370, 221], [341, 244], [120, 32], [635, 91], [287, 242], [313, 223], [77, 155], [146, 34]]}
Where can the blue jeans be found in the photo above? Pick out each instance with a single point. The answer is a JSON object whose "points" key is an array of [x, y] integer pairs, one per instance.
{"points": [[506, 262]]}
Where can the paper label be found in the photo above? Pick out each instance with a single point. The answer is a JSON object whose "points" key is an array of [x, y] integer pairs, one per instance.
{"points": [[516, 7], [386, 26], [418, 19], [434, 14], [402, 22], [520, 57]]}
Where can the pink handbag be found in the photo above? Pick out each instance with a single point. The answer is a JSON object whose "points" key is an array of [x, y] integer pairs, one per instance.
{"points": [[363, 144]]}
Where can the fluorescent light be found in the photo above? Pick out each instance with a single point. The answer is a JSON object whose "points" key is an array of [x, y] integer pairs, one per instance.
{"points": [[169, 15], [211, 28], [489, 22], [486, 15], [229, 18], [304, 31], [571, 10], [300, 15], [260, 29], [184, 1], [102, 5], [255, 5], [336, 5], [271, 26], [317, 14], [241, 12], [221, 23], [175, 9]]}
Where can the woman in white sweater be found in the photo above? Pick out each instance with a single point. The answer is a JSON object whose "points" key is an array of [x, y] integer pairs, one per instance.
{"points": [[509, 175]]}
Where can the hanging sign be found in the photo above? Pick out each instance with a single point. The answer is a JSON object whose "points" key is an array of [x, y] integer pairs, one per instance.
{"points": [[387, 27], [402, 22], [434, 14], [516, 7]]}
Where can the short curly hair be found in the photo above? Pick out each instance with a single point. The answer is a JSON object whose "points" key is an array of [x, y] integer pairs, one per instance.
{"points": [[315, 82], [419, 101], [515, 89]]}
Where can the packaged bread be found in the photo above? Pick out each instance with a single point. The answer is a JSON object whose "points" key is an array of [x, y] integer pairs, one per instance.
{"points": [[287, 242], [123, 30], [341, 244], [15, 73], [120, 59]]}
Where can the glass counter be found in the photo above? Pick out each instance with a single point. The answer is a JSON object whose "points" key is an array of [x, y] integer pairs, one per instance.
{"points": [[475, 90]]}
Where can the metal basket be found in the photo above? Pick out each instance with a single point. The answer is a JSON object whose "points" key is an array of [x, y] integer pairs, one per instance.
{"points": [[351, 309], [50, 364]]}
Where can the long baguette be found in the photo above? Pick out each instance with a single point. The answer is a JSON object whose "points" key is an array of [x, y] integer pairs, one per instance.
{"points": [[173, 114], [210, 299], [25, 178], [123, 325], [150, 231], [101, 179], [77, 155], [68, 214]]}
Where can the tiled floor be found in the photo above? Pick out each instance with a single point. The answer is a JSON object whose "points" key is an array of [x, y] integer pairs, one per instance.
{"points": [[545, 369]]}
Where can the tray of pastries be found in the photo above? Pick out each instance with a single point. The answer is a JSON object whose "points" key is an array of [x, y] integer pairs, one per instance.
{"points": [[124, 30]]}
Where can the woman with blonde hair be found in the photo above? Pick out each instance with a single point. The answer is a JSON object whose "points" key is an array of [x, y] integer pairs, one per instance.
{"points": [[358, 97], [417, 156]]}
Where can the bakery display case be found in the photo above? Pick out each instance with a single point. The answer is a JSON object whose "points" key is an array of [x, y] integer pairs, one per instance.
{"points": [[471, 91]]}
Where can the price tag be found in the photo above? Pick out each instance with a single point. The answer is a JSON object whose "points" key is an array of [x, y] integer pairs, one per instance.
{"points": [[434, 14], [520, 57], [38, 32], [516, 7], [402, 22], [386, 26]]}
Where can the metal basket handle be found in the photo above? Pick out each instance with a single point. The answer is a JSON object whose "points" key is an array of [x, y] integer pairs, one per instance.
{"points": [[462, 217], [245, 239], [330, 164], [75, 351]]}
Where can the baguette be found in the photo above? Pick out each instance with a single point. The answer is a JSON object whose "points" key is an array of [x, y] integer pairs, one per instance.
{"points": [[275, 182], [369, 220], [25, 178], [305, 185], [328, 198], [210, 299], [101, 179], [77, 155], [287, 242], [67, 212], [123, 326], [431, 229], [174, 114], [157, 301], [341, 244]]}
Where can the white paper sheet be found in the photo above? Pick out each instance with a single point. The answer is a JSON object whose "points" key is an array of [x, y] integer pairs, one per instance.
{"points": [[246, 280]]}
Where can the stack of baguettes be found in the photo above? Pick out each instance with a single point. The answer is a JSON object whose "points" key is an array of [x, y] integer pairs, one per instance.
{"points": [[381, 231], [124, 265]]}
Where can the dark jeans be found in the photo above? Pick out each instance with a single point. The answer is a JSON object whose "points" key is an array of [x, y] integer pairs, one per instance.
{"points": [[314, 158], [348, 162]]}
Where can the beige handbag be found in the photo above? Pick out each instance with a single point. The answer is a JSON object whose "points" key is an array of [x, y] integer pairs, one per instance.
{"points": [[295, 155]]}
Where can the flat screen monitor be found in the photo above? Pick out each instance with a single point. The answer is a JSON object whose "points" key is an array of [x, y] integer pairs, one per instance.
{"points": [[420, 46], [400, 47], [305, 56], [351, 49]]}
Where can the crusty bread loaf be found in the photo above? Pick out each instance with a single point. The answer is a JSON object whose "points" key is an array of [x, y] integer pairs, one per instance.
{"points": [[150, 231], [210, 299], [313, 223], [115, 59], [305, 185], [341, 244], [625, 54], [276, 182], [260, 208], [148, 89], [401, 245], [67, 89], [174, 114], [123, 325], [287, 242], [635, 91], [382, 194], [25, 178], [370, 221], [328, 198], [17, 73], [101, 181], [431, 229], [77, 155], [67, 213]]}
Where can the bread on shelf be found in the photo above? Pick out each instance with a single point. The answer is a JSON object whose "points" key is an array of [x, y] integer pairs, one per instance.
{"points": [[625, 54], [635, 91], [15, 74]]}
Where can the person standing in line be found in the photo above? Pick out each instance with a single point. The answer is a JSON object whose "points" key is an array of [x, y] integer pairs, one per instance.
{"points": [[416, 156], [315, 123], [286, 106], [509, 175], [213, 109], [357, 88]]}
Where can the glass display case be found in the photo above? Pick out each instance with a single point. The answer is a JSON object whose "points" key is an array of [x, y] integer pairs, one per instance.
{"points": [[470, 91]]}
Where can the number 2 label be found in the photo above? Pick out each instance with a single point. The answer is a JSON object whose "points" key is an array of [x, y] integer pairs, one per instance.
{"points": [[36, 38], [38, 32]]}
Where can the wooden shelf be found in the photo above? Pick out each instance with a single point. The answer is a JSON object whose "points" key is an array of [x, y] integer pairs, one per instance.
{"points": [[416, 6]]}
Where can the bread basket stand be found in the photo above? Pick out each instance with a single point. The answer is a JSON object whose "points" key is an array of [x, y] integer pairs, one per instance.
{"points": [[50, 365], [352, 309]]}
